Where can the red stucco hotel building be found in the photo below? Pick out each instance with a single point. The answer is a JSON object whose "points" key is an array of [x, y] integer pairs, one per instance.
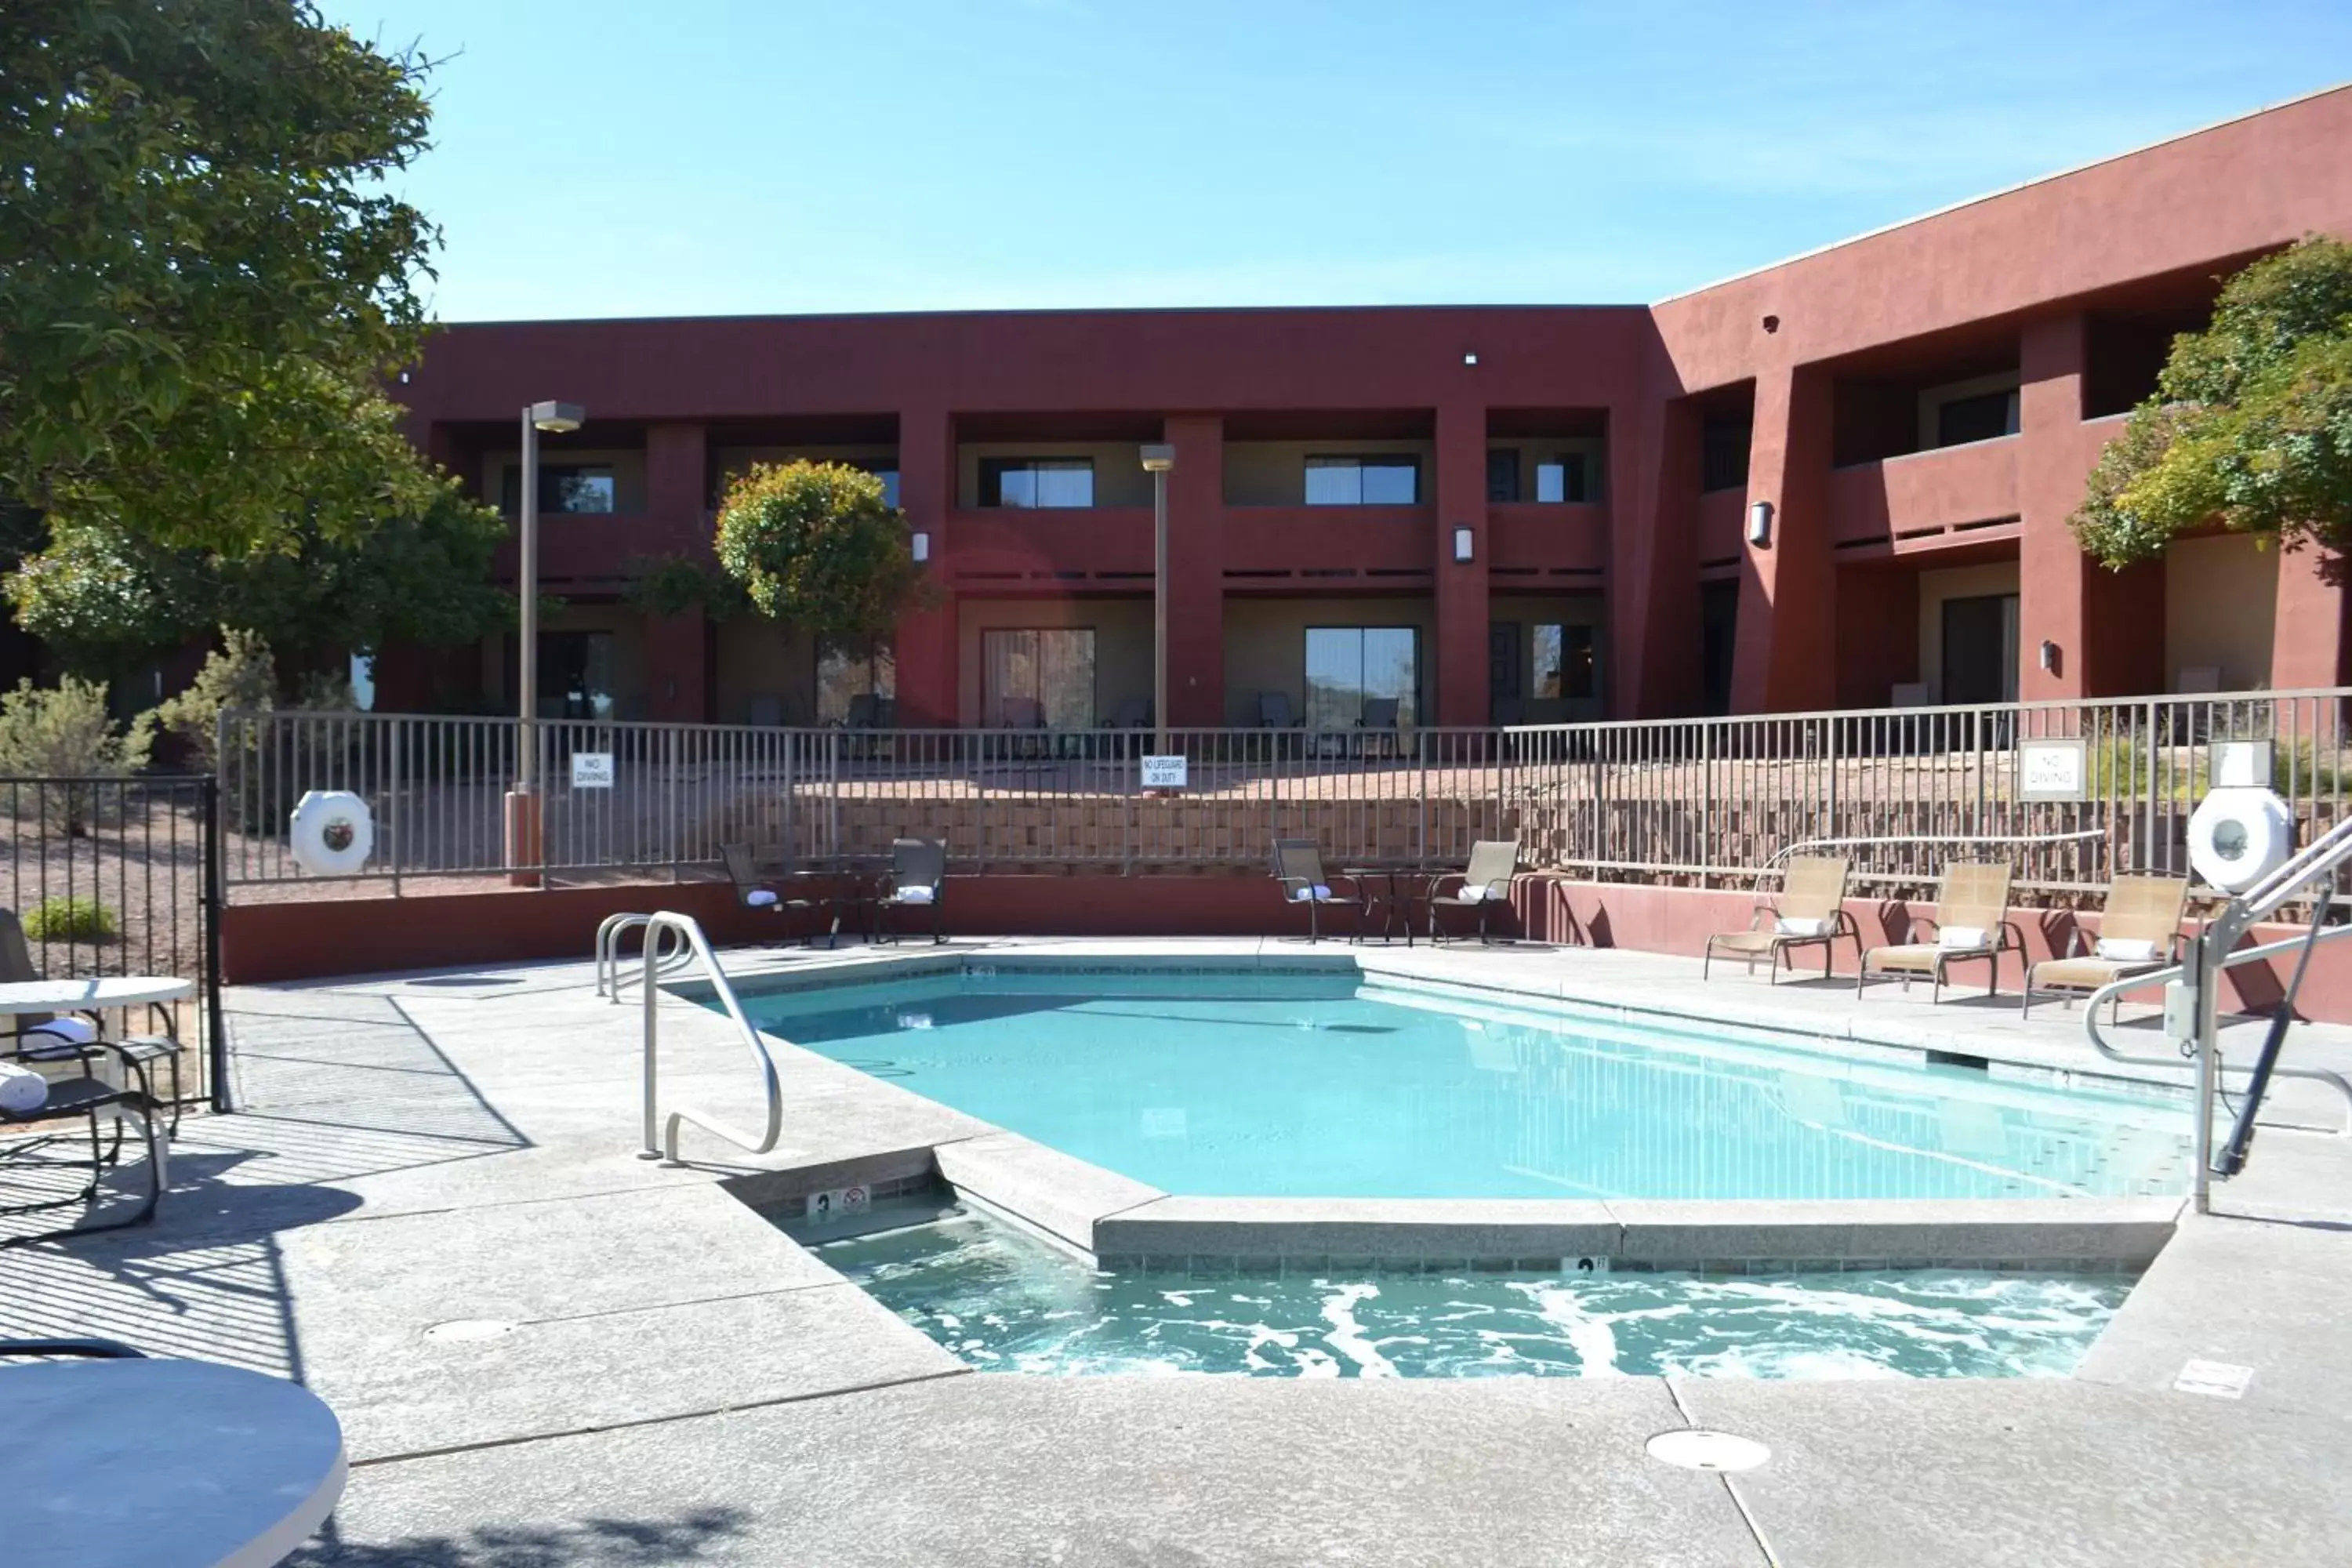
{"points": [[1486, 515]]}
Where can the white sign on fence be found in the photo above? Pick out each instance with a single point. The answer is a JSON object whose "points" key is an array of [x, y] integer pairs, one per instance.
{"points": [[1164, 773], [591, 769], [2051, 770]]}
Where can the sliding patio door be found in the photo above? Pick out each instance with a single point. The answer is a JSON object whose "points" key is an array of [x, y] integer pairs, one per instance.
{"points": [[1348, 666], [1032, 675]]}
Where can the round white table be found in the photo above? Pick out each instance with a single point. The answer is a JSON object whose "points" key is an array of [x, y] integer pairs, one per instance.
{"points": [[155, 1464], [88, 995]]}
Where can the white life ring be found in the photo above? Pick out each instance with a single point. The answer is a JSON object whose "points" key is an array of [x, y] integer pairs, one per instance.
{"points": [[332, 833], [2238, 835]]}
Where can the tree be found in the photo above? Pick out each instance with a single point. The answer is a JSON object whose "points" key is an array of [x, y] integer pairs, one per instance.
{"points": [[814, 545], [100, 588], [2250, 424], [202, 284]]}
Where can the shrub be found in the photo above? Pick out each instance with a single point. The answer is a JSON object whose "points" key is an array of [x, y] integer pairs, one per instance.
{"points": [[66, 732], [816, 546], [240, 673], [69, 919]]}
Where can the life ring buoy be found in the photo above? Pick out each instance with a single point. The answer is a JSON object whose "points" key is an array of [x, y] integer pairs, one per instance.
{"points": [[332, 833], [2238, 835]]}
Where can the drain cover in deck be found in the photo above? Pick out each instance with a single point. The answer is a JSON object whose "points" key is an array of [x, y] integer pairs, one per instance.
{"points": [[469, 1329], [1696, 1448]]}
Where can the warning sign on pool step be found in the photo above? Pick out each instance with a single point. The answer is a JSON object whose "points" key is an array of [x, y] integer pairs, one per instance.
{"points": [[835, 1201]]}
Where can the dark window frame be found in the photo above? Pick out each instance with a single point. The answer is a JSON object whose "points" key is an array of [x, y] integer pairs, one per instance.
{"points": [[994, 470], [1359, 461]]}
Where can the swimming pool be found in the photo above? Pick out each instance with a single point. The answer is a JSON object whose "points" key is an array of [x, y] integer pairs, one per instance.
{"points": [[1004, 1301], [1318, 1085]]}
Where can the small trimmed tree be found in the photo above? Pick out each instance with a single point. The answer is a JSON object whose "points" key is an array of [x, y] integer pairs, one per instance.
{"points": [[815, 545], [2250, 424]]}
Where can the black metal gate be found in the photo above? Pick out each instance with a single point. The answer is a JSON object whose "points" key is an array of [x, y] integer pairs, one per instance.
{"points": [[119, 877]]}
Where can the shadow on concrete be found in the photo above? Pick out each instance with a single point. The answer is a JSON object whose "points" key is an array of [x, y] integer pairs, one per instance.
{"points": [[586, 1544]]}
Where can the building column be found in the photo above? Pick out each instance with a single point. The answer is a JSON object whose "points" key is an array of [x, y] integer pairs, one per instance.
{"points": [[2308, 643], [1462, 690], [678, 502], [1196, 571], [1651, 486], [2105, 628], [1785, 657], [925, 641]]}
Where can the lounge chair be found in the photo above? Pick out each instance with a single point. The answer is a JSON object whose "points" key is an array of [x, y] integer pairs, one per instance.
{"points": [[1274, 712], [753, 892], [1132, 713], [2139, 932], [1972, 925], [144, 1050], [1809, 912], [1481, 885], [918, 879], [1379, 726], [1298, 867]]}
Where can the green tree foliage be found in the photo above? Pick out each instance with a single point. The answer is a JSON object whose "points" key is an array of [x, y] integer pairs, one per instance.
{"points": [[202, 279], [2250, 424], [423, 577], [815, 545], [673, 585]]}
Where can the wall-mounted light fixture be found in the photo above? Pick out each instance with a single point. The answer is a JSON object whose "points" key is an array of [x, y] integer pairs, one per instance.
{"points": [[2049, 655], [1464, 542], [921, 546], [1759, 524], [1470, 358]]}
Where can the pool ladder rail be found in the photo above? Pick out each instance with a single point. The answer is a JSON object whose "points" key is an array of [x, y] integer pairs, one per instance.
{"points": [[2192, 1010], [674, 942]]}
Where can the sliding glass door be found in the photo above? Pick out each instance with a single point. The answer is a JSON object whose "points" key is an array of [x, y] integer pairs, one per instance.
{"points": [[1349, 666], [1033, 679]]}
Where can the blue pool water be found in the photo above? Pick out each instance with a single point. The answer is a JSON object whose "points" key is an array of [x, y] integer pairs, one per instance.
{"points": [[1004, 1301], [1249, 1085]]}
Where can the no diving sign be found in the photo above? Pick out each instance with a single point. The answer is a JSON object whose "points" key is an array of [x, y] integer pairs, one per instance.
{"points": [[838, 1202]]}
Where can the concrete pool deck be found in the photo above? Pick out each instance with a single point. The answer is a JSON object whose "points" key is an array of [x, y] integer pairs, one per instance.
{"points": [[545, 1349]]}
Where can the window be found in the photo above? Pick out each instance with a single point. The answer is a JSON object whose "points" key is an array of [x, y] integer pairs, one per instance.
{"points": [[1560, 660], [1349, 666], [1981, 417], [1723, 455], [888, 472], [1038, 481], [575, 675], [1037, 678], [1502, 475], [1561, 478], [563, 487], [1364, 481], [857, 681]]}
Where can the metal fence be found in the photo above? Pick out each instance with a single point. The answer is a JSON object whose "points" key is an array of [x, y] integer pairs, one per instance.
{"points": [[1702, 802], [115, 876]]}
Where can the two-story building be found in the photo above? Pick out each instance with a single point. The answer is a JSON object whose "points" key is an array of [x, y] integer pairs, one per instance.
{"points": [[1480, 514]]}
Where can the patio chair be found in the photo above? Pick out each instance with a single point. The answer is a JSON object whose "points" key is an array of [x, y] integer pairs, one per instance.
{"points": [[1971, 923], [767, 712], [753, 892], [1809, 912], [918, 880], [1274, 712], [16, 968], [1132, 713], [1298, 867], [2139, 932], [32, 1100], [1024, 713], [1379, 725], [1482, 884]]}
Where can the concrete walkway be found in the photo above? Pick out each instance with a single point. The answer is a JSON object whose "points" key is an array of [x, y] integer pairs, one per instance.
{"points": [[546, 1350]]}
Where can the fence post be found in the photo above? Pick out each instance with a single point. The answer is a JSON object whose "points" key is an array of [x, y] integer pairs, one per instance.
{"points": [[2147, 839], [391, 802], [216, 1023], [832, 792], [1706, 804]]}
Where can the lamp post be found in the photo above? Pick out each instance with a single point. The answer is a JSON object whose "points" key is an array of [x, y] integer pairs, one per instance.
{"points": [[522, 802], [1158, 459]]}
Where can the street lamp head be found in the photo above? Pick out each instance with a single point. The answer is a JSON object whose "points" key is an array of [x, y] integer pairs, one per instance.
{"points": [[1158, 458], [557, 418]]}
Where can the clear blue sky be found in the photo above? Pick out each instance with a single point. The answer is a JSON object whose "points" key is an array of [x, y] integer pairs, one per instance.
{"points": [[682, 157]]}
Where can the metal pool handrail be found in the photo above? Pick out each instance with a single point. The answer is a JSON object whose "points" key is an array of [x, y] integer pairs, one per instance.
{"points": [[610, 976], [698, 945]]}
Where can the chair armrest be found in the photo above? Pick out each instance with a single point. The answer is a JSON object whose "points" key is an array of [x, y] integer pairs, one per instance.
{"points": [[1911, 925], [1437, 883]]}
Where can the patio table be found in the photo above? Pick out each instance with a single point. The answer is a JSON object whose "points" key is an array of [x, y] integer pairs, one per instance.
{"points": [[155, 1464], [1399, 885]]}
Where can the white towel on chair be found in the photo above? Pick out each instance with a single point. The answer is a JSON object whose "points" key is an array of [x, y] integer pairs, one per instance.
{"points": [[22, 1089], [2125, 950], [915, 893], [57, 1040], [1787, 927], [761, 897], [1961, 937], [1319, 893]]}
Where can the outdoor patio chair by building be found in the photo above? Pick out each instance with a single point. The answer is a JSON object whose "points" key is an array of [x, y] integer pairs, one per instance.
{"points": [[1484, 885], [1380, 727], [1810, 911], [2139, 932], [1298, 868], [1274, 712], [1132, 713], [1024, 713], [918, 880], [1971, 925], [753, 892]]}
